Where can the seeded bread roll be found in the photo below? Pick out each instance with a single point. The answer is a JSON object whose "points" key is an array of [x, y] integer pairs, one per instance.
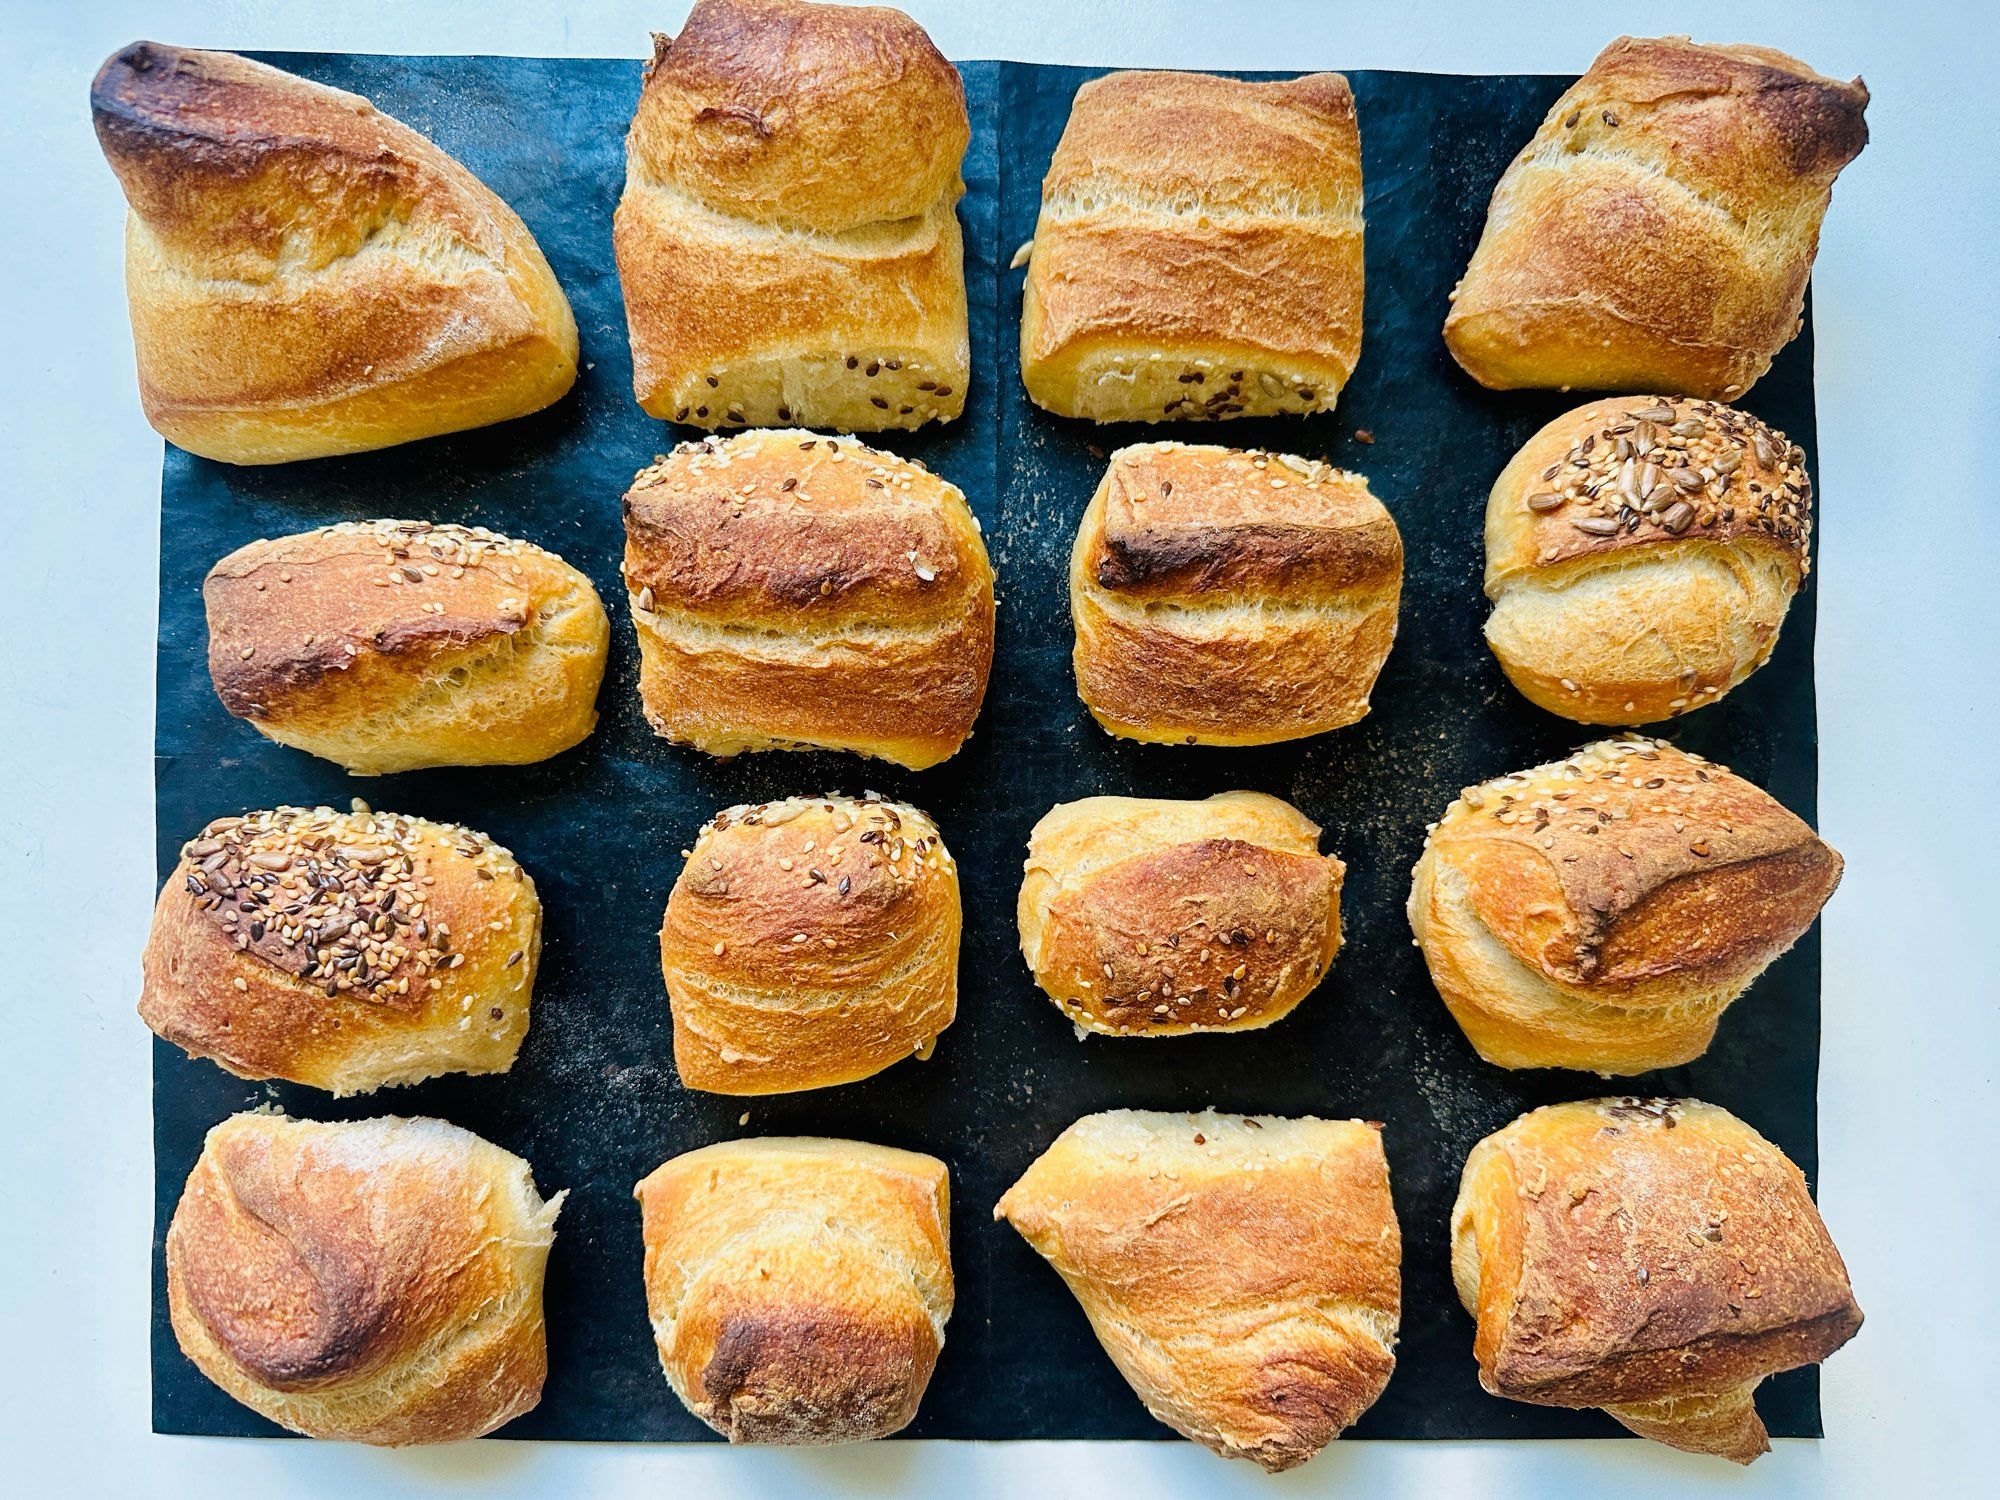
{"points": [[1653, 1257], [1150, 917], [1601, 912], [1641, 555], [810, 942], [1241, 1271], [1231, 598], [348, 951], [392, 645], [788, 239], [308, 276], [798, 1287], [1198, 253], [377, 1281], [1659, 230], [796, 592]]}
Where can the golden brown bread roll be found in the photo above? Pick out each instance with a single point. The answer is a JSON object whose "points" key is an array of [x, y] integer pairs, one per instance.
{"points": [[1243, 1272], [308, 276], [1659, 230], [1653, 1257], [795, 592], [1231, 598], [348, 951], [378, 1281], [390, 645], [1641, 554], [1198, 253], [798, 1287], [810, 942], [1601, 912], [788, 238], [1146, 916]]}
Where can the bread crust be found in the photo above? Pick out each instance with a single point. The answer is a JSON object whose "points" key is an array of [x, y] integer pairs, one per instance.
{"points": [[1243, 1272], [1655, 1257], [794, 591], [392, 645], [378, 1281], [1198, 251], [254, 962], [798, 1287], [1659, 230], [788, 240], [810, 942], [1601, 912], [1153, 917], [308, 276], [1226, 597]]}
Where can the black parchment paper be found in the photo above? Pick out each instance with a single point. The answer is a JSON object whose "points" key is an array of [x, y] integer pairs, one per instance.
{"points": [[594, 1102]]}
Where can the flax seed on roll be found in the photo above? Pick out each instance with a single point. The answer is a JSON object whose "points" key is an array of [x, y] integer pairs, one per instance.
{"points": [[1198, 253], [1231, 598], [1151, 917], [795, 592], [810, 942], [798, 1287], [1653, 1257], [348, 951], [391, 645], [1601, 912], [378, 1281], [788, 238], [1641, 555], [1659, 230]]}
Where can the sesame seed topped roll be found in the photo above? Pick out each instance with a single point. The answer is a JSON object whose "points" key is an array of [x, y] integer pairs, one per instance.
{"points": [[348, 951], [1641, 555], [795, 592], [810, 942], [393, 645]]}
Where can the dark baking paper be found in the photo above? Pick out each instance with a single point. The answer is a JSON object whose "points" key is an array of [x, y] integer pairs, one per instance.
{"points": [[594, 1102]]}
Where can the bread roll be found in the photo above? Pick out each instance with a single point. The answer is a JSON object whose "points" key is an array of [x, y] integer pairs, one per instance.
{"points": [[1658, 232], [1641, 555], [810, 942], [378, 1281], [1145, 916], [788, 238], [1601, 912], [308, 276], [1198, 253], [1653, 1257], [1231, 598], [391, 645], [348, 951], [798, 1287], [1241, 1271], [796, 592]]}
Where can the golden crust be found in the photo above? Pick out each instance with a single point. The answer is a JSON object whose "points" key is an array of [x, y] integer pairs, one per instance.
{"points": [[1223, 597], [378, 1281], [1653, 1257], [810, 942], [1659, 230], [1602, 912], [787, 239], [253, 962], [1150, 917], [1198, 252], [798, 1287], [1241, 1272], [392, 645], [793, 591], [308, 276]]}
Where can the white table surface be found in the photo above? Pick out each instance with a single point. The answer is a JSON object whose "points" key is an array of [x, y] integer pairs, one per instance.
{"points": [[1909, 393]]}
